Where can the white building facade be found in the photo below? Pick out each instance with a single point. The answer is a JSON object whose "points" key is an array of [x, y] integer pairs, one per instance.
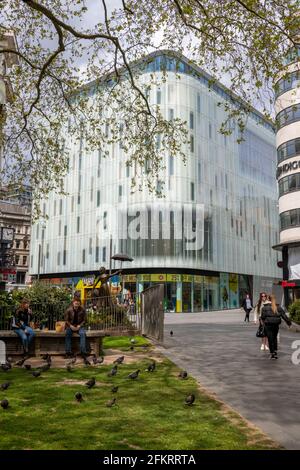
{"points": [[288, 171], [226, 192]]}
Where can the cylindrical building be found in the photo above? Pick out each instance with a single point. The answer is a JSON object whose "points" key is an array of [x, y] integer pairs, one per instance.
{"points": [[287, 107]]}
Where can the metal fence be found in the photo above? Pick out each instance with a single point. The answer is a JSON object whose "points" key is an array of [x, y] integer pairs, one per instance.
{"points": [[103, 313]]}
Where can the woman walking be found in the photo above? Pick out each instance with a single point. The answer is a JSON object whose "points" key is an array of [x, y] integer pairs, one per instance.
{"points": [[247, 306], [257, 318], [271, 316]]}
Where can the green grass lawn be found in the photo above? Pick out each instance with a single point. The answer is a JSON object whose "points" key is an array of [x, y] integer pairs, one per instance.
{"points": [[124, 342], [150, 413]]}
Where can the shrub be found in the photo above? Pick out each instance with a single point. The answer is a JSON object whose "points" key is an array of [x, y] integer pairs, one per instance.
{"points": [[294, 311]]}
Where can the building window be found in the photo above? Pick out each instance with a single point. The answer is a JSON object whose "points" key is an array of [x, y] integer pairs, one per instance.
{"points": [[59, 228], [158, 97], [210, 130], [60, 207], [191, 120], [199, 172], [171, 114], [24, 260], [72, 204], [98, 198], [104, 254], [192, 143], [97, 254], [91, 246], [105, 220], [198, 103], [78, 224], [83, 256], [17, 244], [192, 191], [171, 165], [54, 208], [64, 257], [289, 183], [58, 258], [78, 199], [17, 259], [290, 219], [211, 197], [289, 149], [65, 230], [253, 232], [288, 115], [31, 261], [127, 171], [120, 193]]}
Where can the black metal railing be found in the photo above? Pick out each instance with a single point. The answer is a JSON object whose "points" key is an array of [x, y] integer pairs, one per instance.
{"points": [[103, 313]]}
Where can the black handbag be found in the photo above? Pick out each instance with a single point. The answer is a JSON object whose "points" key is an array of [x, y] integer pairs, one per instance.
{"points": [[261, 331]]}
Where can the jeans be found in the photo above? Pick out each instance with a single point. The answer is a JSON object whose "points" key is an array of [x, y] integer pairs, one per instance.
{"points": [[82, 335], [248, 310], [272, 332], [26, 338]]}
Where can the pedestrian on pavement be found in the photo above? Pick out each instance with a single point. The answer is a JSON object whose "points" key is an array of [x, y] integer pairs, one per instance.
{"points": [[271, 315], [247, 306], [263, 297], [75, 317], [21, 325]]}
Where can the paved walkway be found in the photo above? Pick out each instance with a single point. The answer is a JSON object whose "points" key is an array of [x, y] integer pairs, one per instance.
{"points": [[222, 352]]}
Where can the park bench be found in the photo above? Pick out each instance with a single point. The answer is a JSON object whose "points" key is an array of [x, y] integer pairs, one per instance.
{"points": [[51, 342]]}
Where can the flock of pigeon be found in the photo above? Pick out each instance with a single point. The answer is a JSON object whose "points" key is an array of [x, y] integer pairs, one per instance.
{"points": [[183, 375]]}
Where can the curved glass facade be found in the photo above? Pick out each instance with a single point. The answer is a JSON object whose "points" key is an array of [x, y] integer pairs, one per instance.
{"points": [[290, 219], [287, 84], [288, 116], [226, 187], [289, 149], [289, 184]]}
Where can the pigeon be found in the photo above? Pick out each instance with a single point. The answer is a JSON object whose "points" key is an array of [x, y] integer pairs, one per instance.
{"points": [[97, 360], [69, 368], [72, 361], [114, 389], [134, 375], [131, 348], [21, 362], [36, 373], [190, 399], [90, 383], [113, 371], [119, 360], [151, 367], [4, 404], [78, 396], [86, 361], [132, 341], [183, 374], [45, 367], [111, 403], [27, 366], [8, 362], [46, 357], [5, 367], [5, 386], [171, 333]]}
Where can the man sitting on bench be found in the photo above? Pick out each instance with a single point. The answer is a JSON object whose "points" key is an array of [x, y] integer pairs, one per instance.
{"points": [[75, 317]]}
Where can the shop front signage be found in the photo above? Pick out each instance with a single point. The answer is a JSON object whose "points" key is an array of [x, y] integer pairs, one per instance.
{"points": [[130, 278], [187, 278], [295, 165], [158, 277], [173, 277]]}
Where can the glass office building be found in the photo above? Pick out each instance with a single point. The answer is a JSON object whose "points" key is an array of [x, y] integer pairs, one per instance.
{"points": [[225, 190]]}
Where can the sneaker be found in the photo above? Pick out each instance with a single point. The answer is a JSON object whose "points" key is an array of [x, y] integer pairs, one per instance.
{"points": [[273, 356], [267, 348], [262, 348]]}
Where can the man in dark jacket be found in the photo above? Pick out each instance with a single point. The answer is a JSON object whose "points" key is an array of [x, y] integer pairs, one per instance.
{"points": [[271, 316], [75, 317]]}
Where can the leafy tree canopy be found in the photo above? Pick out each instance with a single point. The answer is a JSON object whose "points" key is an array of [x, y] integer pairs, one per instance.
{"points": [[63, 45]]}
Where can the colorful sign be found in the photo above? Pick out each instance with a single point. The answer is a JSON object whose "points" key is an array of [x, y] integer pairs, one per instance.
{"points": [[173, 277], [130, 278], [187, 278], [145, 277], [158, 277]]}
